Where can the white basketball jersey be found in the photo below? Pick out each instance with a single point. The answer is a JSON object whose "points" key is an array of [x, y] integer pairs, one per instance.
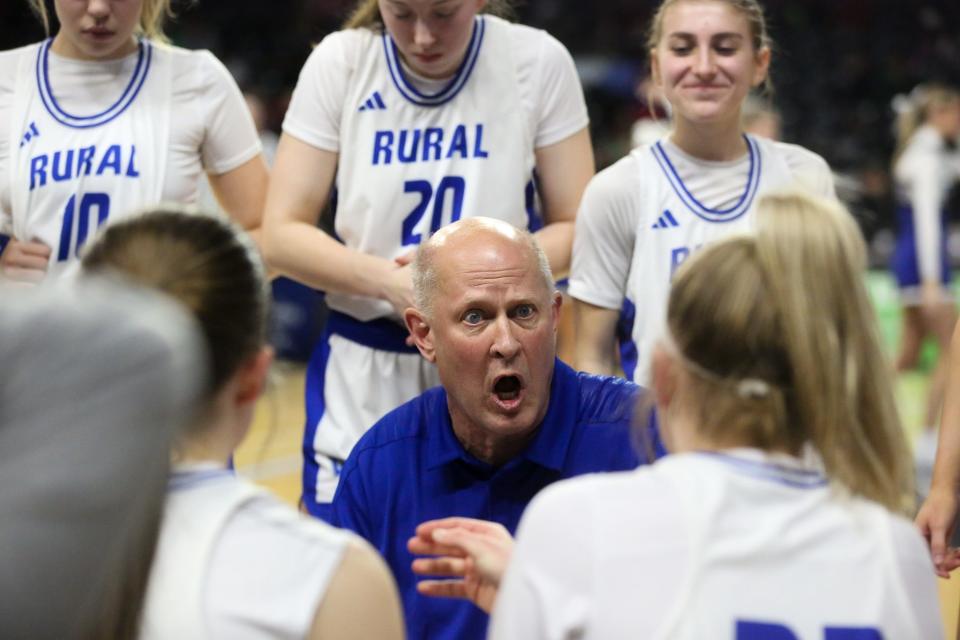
{"points": [[71, 172], [672, 224], [411, 163], [779, 553], [193, 518]]}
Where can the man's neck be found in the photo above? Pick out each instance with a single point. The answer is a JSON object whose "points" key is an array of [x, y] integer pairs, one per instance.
{"points": [[493, 449]]}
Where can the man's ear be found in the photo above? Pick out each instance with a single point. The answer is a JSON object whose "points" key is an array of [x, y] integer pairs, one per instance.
{"points": [[419, 327], [252, 376]]}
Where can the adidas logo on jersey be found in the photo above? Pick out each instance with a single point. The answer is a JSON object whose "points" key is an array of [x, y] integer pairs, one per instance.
{"points": [[373, 102], [31, 133], [666, 221]]}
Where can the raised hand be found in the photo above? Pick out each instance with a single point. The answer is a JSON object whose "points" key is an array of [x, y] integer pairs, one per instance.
{"points": [[474, 553]]}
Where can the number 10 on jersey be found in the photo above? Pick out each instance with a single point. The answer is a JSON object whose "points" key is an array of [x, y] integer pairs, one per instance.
{"points": [[455, 186], [89, 202]]}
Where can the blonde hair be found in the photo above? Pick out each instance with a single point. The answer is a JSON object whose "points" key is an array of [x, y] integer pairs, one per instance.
{"points": [[749, 9], [152, 16], [783, 350], [366, 15], [914, 109]]}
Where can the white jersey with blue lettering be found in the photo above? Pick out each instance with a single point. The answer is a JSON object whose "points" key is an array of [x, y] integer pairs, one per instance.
{"points": [[414, 154], [731, 545], [643, 216], [84, 143], [232, 561]]}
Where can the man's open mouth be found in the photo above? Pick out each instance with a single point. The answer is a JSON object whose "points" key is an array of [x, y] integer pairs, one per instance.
{"points": [[508, 388]]}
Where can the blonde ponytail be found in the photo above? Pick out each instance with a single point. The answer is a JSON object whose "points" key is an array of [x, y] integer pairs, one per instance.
{"points": [[787, 311]]}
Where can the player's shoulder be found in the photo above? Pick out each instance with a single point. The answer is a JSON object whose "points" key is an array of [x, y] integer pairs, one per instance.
{"points": [[518, 33], [799, 159], [7, 55], [594, 492], [906, 539], [530, 45], [194, 69], [622, 179], [350, 38], [274, 519], [10, 61], [182, 56], [344, 47]]}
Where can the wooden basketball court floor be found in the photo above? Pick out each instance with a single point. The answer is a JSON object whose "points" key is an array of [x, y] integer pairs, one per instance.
{"points": [[271, 453]]}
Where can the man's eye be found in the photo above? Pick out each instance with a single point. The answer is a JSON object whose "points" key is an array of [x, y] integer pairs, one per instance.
{"points": [[473, 317], [525, 311]]}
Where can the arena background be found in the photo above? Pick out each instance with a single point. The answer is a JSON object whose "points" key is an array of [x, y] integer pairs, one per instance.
{"points": [[837, 66]]}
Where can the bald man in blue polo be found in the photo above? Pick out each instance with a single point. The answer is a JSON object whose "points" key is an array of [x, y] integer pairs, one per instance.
{"points": [[509, 418]]}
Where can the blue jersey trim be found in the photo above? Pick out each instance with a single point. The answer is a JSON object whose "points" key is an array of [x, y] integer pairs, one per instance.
{"points": [[698, 208], [531, 197], [781, 474], [130, 93], [458, 81], [624, 333], [381, 333], [315, 407]]}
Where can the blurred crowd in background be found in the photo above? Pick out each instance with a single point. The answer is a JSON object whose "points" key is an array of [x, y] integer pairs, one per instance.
{"points": [[838, 65]]}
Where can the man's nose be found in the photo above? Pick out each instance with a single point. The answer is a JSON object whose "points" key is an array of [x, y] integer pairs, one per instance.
{"points": [[505, 344]]}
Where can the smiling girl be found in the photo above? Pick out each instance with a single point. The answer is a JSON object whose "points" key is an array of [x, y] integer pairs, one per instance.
{"points": [[646, 214], [105, 119], [417, 114]]}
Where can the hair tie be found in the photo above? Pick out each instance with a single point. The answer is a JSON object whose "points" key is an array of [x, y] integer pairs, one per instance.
{"points": [[753, 388]]}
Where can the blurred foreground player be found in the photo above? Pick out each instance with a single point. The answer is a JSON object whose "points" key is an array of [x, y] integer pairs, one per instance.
{"points": [[777, 514], [96, 381], [232, 561]]}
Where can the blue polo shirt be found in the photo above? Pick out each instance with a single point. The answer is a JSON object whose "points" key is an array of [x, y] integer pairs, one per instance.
{"points": [[410, 467]]}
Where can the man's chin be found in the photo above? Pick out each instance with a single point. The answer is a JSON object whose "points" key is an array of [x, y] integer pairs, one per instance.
{"points": [[511, 423]]}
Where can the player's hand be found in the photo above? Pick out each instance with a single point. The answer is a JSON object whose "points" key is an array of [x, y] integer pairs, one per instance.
{"points": [[24, 262], [398, 288], [936, 520], [403, 261], [406, 258], [474, 553]]}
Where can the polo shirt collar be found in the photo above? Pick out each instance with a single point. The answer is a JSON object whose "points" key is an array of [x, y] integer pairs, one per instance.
{"points": [[548, 447]]}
